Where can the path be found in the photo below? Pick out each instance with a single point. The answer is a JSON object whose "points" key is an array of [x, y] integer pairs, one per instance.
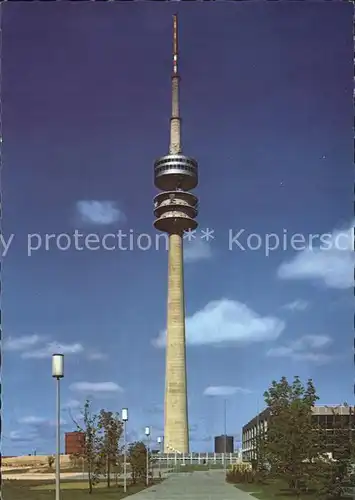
{"points": [[209, 485]]}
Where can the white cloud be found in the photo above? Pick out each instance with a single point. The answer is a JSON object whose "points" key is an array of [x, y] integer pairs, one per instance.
{"points": [[227, 321], [331, 263], [306, 348], [53, 423], [38, 347], [196, 250], [99, 212], [95, 387], [21, 343], [96, 356], [72, 404], [34, 347], [225, 390], [313, 357], [296, 305], [52, 348], [32, 420], [20, 437], [311, 342]]}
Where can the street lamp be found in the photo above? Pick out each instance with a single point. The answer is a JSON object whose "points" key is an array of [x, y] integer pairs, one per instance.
{"points": [[124, 419], [225, 436], [58, 373], [159, 441], [147, 433]]}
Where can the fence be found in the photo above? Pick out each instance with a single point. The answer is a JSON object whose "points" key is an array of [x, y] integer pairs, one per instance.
{"points": [[173, 459]]}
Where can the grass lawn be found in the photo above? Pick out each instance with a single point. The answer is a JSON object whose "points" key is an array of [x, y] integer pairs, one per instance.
{"points": [[70, 490], [277, 490], [271, 490]]}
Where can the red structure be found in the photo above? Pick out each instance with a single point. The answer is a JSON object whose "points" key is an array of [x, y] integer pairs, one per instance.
{"points": [[74, 443]]}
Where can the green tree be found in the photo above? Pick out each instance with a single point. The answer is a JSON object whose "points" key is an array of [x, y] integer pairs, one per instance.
{"points": [[259, 461], [137, 457], [110, 428], [291, 444], [334, 474], [92, 446]]}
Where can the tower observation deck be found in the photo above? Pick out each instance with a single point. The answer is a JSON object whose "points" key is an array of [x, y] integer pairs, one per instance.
{"points": [[175, 209]]}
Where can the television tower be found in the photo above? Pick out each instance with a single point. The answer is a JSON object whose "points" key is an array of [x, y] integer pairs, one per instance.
{"points": [[175, 210]]}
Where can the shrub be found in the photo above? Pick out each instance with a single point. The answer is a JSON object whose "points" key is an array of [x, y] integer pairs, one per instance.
{"points": [[242, 467], [241, 476], [243, 473]]}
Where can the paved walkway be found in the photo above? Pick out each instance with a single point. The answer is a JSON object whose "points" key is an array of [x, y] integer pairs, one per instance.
{"points": [[209, 485]]}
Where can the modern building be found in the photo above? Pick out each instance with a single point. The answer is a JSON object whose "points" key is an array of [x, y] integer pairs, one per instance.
{"points": [[175, 209], [224, 444], [324, 416], [74, 443]]}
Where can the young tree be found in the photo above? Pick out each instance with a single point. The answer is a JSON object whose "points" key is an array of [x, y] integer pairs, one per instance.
{"points": [[51, 461], [110, 427], [137, 457], [291, 443], [76, 460], [91, 449]]}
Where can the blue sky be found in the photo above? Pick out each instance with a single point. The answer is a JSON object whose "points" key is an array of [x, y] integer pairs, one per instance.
{"points": [[266, 100]]}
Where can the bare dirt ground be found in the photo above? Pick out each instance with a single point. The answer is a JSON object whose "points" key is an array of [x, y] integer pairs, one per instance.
{"points": [[28, 476], [34, 461], [30, 466]]}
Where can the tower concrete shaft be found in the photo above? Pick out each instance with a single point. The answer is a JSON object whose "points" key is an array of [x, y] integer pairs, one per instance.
{"points": [[176, 430], [175, 129]]}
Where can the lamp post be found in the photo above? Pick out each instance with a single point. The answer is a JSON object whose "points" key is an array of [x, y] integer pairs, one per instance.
{"points": [[225, 436], [257, 441], [58, 373], [159, 441], [124, 419], [147, 433]]}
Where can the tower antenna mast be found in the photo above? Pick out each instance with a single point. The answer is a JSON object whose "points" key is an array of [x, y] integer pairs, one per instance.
{"points": [[175, 120]]}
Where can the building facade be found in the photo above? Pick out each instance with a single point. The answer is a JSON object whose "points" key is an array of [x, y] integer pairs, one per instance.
{"points": [[74, 443], [325, 417]]}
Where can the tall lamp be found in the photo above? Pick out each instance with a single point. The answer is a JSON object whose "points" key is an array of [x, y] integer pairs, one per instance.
{"points": [[147, 433], [57, 373], [125, 420]]}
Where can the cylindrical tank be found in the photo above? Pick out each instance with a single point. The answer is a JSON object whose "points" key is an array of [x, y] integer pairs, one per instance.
{"points": [[74, 443], [224, 444]]}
